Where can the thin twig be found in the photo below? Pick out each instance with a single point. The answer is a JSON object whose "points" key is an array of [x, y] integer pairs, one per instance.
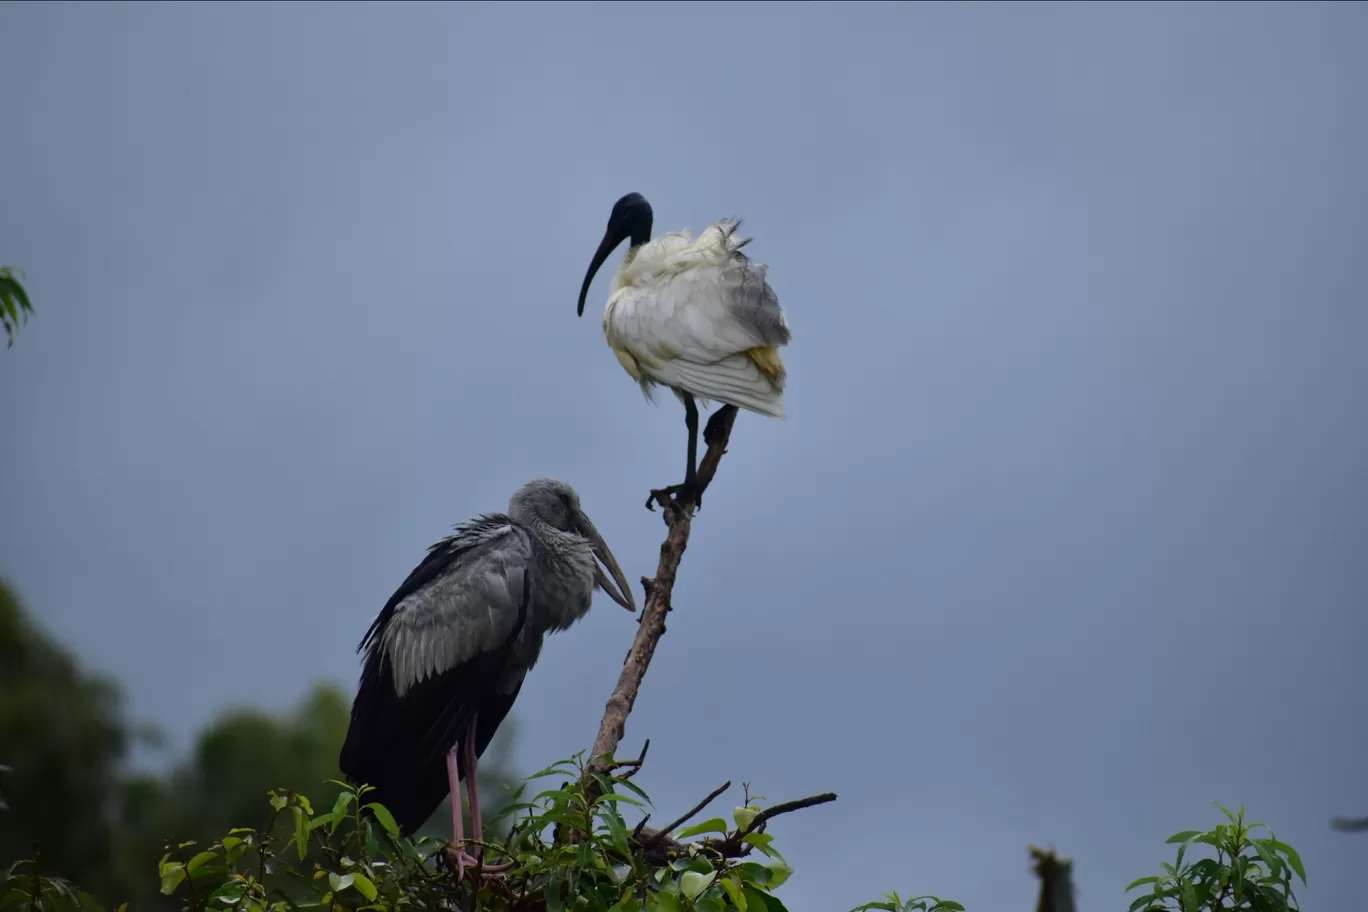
{"points": [[665, 831], [733, 845], [788, 807], [632, 766]]}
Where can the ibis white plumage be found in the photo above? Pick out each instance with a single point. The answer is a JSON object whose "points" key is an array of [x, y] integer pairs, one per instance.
{"points": [[695, 315]]}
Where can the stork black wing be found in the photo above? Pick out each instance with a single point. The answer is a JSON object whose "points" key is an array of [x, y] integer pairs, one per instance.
{"points": [[434, 657]]}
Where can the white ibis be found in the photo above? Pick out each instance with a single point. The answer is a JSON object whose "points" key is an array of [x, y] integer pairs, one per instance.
{"points": [[693, 314]]}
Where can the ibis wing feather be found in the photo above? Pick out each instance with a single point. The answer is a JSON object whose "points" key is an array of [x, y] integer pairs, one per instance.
{"points": [[700, 316]]}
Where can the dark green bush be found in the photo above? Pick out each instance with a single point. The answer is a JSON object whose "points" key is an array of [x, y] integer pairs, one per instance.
{"points": [[351, 857]]}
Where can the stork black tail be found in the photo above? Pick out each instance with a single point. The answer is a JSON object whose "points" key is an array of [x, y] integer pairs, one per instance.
{"points": [[399, 745]]}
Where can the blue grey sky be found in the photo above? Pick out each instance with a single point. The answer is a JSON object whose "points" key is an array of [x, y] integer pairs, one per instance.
{"points": [[1063, 536]]}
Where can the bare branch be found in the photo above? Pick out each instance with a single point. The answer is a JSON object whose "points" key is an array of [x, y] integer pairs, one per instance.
{"points": [[632, 766], [678, 520], [665, 831], [733, 845]]}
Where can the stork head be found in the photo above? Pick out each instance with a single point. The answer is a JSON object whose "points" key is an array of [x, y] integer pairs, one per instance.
{"points": [[555, 503], [631, 218]]}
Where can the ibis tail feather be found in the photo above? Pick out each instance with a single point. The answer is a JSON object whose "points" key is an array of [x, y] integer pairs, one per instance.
{"points": [[737, 380]]}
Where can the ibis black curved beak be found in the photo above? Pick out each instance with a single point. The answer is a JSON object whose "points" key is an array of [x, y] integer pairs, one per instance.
{"points": [[611, 239], [631, 218], [622, 592]]}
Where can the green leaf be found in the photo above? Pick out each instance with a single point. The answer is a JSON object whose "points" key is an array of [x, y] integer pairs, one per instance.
{"points": [[732, 884], [301, 831], [364, 886], [329, 819], [278, 802], [756, 901], [1293, 858], [617, 829], [172, 876], [693, 883], [773, 904], [743, 816], [620, 799], [754, 872], [762, 842], [385, 817], [1268, 855], [229, 894], [1183, 836], [708, 904], [627, 784], [711, 825], [779, 872], [233, 847], [344, 800], [662, 902], [552, 892], [195, 863], [1136, 883], [555, 768], [340, 882]]}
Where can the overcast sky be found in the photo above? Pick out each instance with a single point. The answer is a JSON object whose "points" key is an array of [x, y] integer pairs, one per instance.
{"points": [[1064, 535]]}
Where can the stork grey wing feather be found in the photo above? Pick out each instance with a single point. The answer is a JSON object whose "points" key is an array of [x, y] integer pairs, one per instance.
{"points": [[469, 607]]}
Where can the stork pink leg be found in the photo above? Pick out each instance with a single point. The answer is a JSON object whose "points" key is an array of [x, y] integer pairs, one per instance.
{"points": [[472, 786], [473, 790], [462, 859]]}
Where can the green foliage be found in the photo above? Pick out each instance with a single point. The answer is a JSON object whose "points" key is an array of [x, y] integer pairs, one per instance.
{"points": [[892, 902], [1238, 871], [14, 302], [350, 856], [63, 739]]}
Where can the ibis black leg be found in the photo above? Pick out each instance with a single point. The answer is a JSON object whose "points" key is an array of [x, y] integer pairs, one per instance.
{"points": [[689, 490], [691, 422]]}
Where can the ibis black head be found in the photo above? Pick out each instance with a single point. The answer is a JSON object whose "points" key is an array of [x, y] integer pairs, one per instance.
{"points": [[631, 218]]}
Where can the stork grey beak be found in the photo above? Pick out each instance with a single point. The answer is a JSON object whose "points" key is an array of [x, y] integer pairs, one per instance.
{"points": [[622, 592], [611, 239]]}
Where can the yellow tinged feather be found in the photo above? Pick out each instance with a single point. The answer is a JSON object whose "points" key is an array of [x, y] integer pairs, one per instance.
{"points": [[629, 364], [664, 351], [767, 358]]}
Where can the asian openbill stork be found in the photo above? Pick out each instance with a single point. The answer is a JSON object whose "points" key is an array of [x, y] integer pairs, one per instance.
{"points": [[447, 655], [695, 315]]}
